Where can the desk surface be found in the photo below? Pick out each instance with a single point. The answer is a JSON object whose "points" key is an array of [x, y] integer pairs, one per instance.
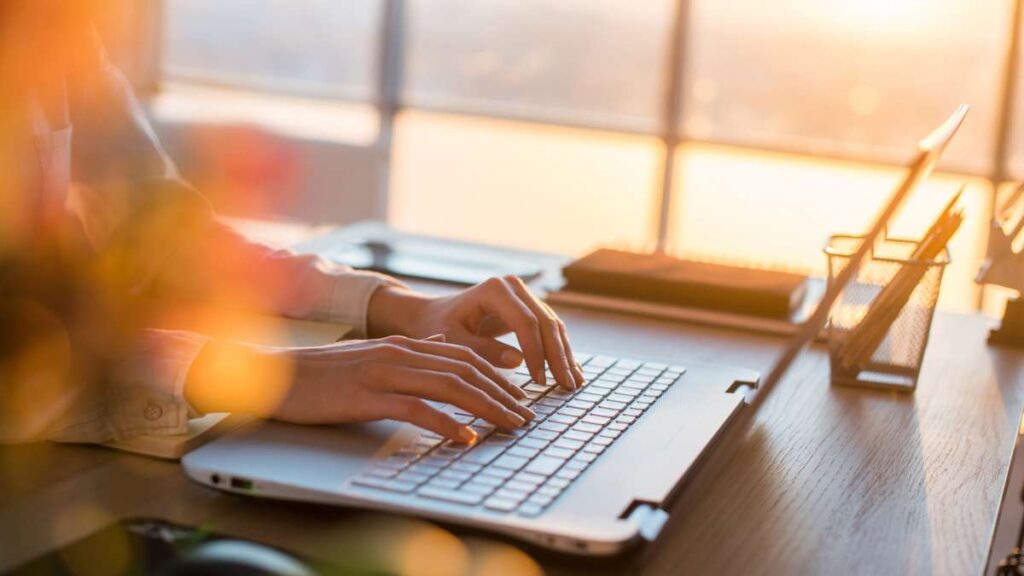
{"points": [[821, 478]]}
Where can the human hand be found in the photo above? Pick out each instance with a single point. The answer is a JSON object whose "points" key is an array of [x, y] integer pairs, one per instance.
{"points": [[475, 317], [356, 381]]}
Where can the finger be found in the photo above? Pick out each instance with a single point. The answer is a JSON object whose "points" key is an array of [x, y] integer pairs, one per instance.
{"points": [[487, 375], [501, 301], [418, 412], [459, 360], [452, 389], [494, 351], [563, 332], [558, 359]]}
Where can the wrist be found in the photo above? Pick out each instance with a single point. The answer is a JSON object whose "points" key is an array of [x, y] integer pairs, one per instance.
{"points": [[236, 377], [393, 310]]}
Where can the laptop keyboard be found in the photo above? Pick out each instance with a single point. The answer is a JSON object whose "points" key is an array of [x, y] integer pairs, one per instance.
{"points": [[524, 470]]}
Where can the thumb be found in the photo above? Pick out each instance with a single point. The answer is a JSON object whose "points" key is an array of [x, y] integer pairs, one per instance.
{"points": [[497, 353]]}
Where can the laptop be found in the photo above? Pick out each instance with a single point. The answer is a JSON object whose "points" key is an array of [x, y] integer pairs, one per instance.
{"points": [[593, 474]]}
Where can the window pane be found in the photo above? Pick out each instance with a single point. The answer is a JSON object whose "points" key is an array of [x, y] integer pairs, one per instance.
{"points": [[525, 185], [590, 62], [865, 78], [776, 211], [316, 47]]}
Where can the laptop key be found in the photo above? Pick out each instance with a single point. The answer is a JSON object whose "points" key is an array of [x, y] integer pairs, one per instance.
{"points": [[482, 489], [544, 465], [486, 481], [549, 491], [530, 477], [511, 494], [510, 462], [465, 466], [612, 405], [458, 475], [444, 483], [585, 427], [572, 412], [413, 477], [561, 419], [560, 453], [553, 426], [501, 504], [455, 496], [523, 452], [568, 474], [530, 510], [543, 434], [483, 453], [568, 444], [577, 434], [501, 473], [520, 486]]}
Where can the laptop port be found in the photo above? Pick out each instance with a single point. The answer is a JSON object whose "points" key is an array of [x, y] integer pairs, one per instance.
{"points": [[241, 483]]}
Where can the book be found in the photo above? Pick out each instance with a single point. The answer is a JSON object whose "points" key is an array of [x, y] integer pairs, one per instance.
{"points": [[663, 279], [760, 324]]}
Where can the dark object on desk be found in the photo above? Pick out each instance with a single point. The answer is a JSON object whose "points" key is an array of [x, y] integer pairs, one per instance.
{"points": [[429, 262], [1011, 330], [667, 280], [146, 546]]}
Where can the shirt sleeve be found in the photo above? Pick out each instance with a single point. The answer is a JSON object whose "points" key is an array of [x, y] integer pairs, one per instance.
{"points": [[311, 287], [144, 394]]}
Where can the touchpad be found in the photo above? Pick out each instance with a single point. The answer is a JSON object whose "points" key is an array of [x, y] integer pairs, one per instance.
{"points": [[313, 457]]}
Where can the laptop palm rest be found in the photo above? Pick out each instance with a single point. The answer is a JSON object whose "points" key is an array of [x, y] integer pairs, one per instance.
{"points": [[318, 458]]}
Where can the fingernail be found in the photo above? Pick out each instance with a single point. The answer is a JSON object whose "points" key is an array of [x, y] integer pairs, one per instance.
{"points": [[516, 419], [567, 374], [517, 392], [529, 414], [511, 358], [437, 338], [467, 435], [540, 378]]}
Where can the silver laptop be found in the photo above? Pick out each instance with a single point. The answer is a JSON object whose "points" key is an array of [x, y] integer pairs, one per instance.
{"points": [[590, 475]]}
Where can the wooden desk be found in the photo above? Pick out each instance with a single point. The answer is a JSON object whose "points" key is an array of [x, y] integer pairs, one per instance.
{"points": [[822, 479]]}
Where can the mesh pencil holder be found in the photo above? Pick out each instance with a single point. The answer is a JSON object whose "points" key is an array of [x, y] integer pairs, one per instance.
{"points": [[885, 351]]}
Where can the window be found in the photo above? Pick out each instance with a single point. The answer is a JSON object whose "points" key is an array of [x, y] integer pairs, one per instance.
{"points": [[861, 79], [302, 47], [597, 63], [542, 124], [531, 180], [543, 188]]}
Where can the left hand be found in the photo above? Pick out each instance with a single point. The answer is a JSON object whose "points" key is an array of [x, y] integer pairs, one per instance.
{"points": [[475, 317]]}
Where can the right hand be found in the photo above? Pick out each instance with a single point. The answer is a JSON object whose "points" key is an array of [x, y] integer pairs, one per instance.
{"points": [[357, 381]]}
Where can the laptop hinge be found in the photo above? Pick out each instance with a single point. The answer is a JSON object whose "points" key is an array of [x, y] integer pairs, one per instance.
{"points": [[746, 387], [649, 517]]}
